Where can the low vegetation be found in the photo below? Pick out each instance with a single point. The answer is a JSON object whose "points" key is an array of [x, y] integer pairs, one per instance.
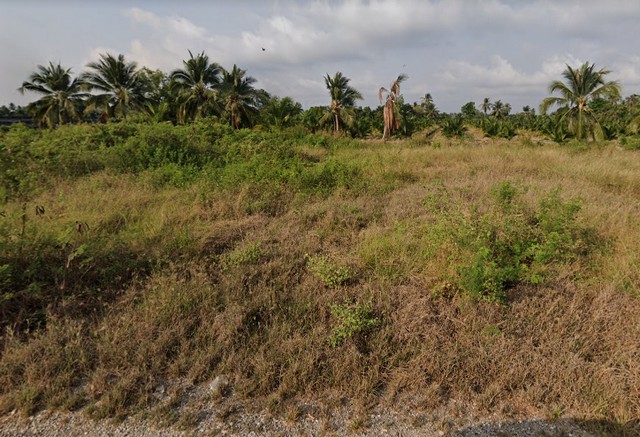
{"points": [[498, 272]]}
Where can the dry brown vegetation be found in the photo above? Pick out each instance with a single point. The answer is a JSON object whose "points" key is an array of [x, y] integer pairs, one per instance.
{"points": [[260, 293]]}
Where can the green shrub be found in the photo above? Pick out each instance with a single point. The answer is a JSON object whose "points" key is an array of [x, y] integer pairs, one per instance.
{"points": [[351, 320], [513, 243], [172, 175], [329, 273], [160, 144]]}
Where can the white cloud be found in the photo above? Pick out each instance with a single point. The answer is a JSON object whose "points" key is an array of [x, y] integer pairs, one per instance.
{"points": [[176, 25], [501, 74], [465, 81], [627, 71], [454, 49], [163, 41]]}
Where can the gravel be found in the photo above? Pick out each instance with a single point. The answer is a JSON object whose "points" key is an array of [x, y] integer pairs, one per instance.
{"points": [[212, 409], [249, 424]]}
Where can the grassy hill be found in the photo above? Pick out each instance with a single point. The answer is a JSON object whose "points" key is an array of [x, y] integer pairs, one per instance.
{"points": [[500, 273]]}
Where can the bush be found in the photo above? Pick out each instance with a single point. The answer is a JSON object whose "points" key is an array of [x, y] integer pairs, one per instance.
{"points": [[513, 243], [351, 320], [329, 273], [494, 127], [161, 144]]}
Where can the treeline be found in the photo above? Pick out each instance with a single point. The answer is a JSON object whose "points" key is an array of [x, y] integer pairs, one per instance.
{"points": [[114, 89]]}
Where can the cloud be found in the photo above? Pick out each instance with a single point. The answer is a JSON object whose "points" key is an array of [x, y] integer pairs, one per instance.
{"points": [[177, 26], [454, 49], [501, 74], [305, 33], [627, 71], [462, 81], [163, 41]]}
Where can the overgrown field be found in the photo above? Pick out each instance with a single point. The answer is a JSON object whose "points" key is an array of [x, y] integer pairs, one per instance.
{"points": [[500, 273]]}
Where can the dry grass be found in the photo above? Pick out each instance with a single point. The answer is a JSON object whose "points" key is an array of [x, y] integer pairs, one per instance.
{"points": [[231, 292]]}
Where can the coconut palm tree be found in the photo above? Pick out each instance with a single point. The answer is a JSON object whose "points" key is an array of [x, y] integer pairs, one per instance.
{"points": [[583, 84], [241, 100], [343, 98], [195, 87], [391, 110], [118, 85], [499, 109], [427, 105], [62, 97], [486, 105]]}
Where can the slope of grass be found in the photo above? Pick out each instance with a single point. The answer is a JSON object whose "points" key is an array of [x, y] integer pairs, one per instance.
{"points": [[302, 267]]}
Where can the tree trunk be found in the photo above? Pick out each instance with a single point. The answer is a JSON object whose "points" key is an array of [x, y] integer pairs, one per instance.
{"points": [[387, 112], [580, 126]]}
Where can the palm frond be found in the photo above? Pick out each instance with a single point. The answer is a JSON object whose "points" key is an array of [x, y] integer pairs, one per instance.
{"points": [[380, 92]]}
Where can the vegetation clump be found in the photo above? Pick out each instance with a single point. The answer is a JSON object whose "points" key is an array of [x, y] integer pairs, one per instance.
{"points": [[350, 321], [330, 274], [512, 243]]}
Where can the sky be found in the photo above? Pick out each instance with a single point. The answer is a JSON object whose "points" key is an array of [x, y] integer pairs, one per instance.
{"points": [[456, 50]]}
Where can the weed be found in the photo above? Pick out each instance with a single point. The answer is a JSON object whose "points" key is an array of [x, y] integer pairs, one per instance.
{"points": [[358, 424], [351, 320], [246, 254], [325, 177], [491, 331], [330, 274]]}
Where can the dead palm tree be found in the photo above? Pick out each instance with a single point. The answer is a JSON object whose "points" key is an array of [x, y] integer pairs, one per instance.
{"points": [[391, 110]]}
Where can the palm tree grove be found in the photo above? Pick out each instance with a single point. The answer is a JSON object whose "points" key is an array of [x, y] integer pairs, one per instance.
{"points": [[186, 252]]}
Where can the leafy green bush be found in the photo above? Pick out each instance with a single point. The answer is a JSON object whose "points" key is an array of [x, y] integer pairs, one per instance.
{"points": [[172, 175], [351, 320], [160, 144], [29, 157], [513, 243], [329, 273]]}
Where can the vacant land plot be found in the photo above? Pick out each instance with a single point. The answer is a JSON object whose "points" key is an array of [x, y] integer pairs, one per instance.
{"points": [[140, 261]]}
